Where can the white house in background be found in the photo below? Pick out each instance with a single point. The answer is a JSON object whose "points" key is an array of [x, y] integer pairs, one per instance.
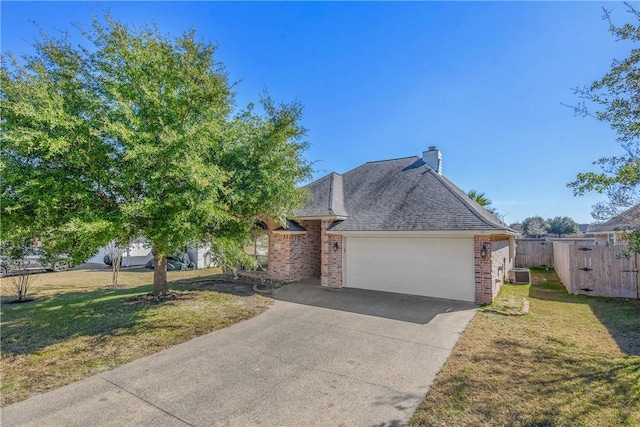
{"points": [[139, 253], [614, 231]]}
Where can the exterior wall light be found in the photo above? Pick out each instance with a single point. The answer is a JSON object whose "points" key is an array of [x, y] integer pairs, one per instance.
{"points": [[483, 251], [335, 246]]}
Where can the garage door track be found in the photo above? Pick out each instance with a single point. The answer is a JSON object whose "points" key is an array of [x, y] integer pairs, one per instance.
{"points": [[317, 357]]}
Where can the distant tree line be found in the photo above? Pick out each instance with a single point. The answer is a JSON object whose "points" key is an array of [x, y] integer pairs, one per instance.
{"points": [[536, 226]]}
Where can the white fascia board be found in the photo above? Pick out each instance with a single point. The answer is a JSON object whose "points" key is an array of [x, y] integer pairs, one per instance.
{"points": [[430, 233]]}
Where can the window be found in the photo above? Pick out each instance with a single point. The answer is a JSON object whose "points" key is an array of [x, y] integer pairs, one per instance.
{"points": [[259, 246]]}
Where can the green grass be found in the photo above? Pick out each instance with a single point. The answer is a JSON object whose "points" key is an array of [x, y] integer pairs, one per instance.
{"points": [[573, 360], [78, 326]]}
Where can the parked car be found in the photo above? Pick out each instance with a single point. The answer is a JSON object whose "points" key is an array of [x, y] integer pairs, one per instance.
{"points": [[35, 260], [175, 263]]}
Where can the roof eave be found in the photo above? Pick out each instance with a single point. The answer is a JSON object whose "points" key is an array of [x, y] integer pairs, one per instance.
{"points": [[288, 232], [321, 218], [423, 232]]}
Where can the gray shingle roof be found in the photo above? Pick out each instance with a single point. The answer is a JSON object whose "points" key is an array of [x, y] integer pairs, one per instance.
{"points": [[400, 195], [327, 198], [292, 226], [626, 221]]}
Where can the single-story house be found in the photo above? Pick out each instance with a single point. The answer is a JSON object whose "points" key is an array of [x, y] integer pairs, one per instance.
{"points": [[614, 230], [398, 226]]}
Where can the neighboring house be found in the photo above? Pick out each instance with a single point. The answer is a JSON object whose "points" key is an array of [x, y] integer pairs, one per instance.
{"points": [[614, 231], [397, 226], [139, 253]]}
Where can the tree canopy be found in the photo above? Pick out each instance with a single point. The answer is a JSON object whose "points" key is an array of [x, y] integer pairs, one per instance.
{"points": [[615, 99], [535, 226], [137, 134], [562, 225]]}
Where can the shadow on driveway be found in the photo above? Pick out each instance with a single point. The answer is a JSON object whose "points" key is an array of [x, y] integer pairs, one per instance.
{"points": [[406, 308]]}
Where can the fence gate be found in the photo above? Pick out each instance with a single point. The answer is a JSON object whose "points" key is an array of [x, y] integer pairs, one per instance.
{"points": [[605, 271]]}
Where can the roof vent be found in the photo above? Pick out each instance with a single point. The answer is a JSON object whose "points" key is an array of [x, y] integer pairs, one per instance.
{"points": [[433, 159]]}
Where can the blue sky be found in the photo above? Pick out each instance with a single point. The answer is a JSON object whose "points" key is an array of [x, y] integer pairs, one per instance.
{"points": [[483, 81]]}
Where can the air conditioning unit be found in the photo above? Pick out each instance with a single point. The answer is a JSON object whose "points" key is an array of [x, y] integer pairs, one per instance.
{"points": [[520, 275]]}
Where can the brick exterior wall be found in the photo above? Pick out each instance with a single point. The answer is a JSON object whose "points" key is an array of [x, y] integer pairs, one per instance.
{"points": [[500, 262], [305, 252], [295, 256], [490, 271], [331, 260], [278, 264]]}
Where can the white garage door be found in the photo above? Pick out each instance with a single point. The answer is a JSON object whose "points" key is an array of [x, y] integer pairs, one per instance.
{"points": [[434, 267]]}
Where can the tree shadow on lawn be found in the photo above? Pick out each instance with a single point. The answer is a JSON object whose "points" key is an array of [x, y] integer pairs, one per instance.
{"points": [[30, 327], [621, 316], [570, 389]]}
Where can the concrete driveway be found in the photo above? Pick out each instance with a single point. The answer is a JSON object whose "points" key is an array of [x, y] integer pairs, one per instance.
{"points": [[318, 357]]}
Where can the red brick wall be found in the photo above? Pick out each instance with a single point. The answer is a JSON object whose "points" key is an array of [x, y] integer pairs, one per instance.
{"points": [[484, 287], [490, 271], [305, 252], [295, 256], [331, 260], [279, 264]]}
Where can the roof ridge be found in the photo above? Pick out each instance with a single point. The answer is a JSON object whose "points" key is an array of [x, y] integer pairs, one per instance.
{"points": [[448, 184], [330, 207], [378, 161], [336, 196], [390, 160]]}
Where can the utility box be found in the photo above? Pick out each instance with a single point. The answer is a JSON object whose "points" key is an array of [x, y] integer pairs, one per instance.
{"points": [[520, 275]]}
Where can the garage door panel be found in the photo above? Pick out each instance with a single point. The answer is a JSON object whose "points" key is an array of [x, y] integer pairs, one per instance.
{"points": [[436, 267]]}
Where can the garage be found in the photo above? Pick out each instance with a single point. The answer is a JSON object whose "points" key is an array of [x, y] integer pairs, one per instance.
{"points": [[428, 266]]}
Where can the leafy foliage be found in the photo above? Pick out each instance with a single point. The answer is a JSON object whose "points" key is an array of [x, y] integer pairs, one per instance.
{"points": [[137, 134], [562, 225], [479, 197], [616, 99], [482, 200], [535, 226]]}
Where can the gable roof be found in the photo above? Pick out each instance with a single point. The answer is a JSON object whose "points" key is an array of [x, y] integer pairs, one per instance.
{"points": [[327, 198], [626, 221], [397, 195]]}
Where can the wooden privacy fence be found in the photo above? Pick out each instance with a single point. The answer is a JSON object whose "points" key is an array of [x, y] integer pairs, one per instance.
{"points": [[534, 253], [539, 252], [597, 270]]}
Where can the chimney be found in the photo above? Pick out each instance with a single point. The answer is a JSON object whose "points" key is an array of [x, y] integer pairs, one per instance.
{"points": [[433, 159]]}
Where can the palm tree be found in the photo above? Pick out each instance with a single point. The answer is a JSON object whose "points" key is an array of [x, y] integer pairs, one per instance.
{"points": [[479, 197], [482, 200]]}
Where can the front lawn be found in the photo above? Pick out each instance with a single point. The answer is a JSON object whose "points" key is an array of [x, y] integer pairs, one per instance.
{"points": [[78, 325], [573, 360]]}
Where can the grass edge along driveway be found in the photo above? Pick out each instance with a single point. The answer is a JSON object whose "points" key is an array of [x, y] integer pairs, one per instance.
{"points": [[573, 360], [78, 326]]}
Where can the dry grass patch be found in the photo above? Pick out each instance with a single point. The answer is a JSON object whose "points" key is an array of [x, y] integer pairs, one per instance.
{"points": [[78, 326], [573, 360]]}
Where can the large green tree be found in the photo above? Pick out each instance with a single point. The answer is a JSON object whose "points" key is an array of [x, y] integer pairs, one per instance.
{"points": [[134, 133], [615, 99], [562, 225]]}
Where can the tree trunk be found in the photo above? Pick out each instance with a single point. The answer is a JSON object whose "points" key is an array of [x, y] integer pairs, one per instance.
{"points": [[159, 274], [115, 268]]}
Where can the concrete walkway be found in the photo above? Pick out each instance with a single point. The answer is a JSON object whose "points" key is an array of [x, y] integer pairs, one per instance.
{"points": [[317, 357]]}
